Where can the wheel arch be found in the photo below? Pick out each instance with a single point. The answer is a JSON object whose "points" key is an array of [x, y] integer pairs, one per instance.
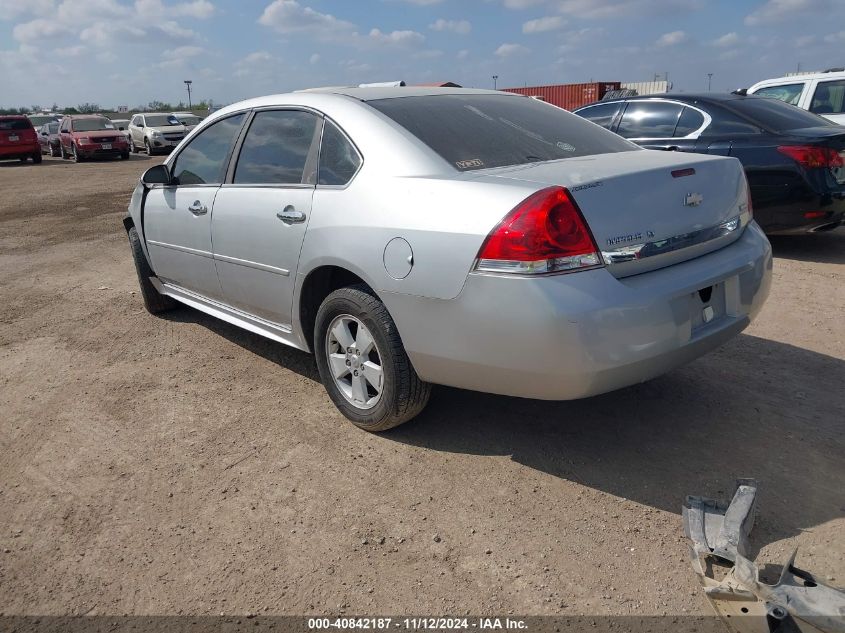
{"points": [[317, 284]]}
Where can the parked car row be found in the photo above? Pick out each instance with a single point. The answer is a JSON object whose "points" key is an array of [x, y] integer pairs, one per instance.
{"points": [[83, 136]]}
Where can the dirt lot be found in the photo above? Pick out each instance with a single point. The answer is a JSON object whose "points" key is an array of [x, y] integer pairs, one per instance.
{"points": [[178, 465]]}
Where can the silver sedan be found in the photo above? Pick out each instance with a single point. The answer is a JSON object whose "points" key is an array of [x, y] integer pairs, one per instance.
{"points": [[477, 239]]}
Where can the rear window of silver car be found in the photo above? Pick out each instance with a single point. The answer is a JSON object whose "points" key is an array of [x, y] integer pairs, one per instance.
{"points": [[482, 131]]}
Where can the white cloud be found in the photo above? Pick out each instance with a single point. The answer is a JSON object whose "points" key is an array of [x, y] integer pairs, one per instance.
{"points": [[780, 10], [835, 38], [314, 59], [727, 40], [672, 38], [455, 26], [510, 50], [288, 16], [184, 51], [151, 9], [40, 29], [399, 38], [543, 25]]}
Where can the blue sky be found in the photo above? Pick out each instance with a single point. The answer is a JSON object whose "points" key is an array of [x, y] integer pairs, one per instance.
{"points": [[130, 52]]}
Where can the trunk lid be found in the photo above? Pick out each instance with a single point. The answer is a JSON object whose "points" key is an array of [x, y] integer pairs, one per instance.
{"points": [[649, 209], [17, 132]]}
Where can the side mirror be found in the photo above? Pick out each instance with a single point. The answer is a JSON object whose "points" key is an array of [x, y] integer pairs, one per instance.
{"points": [[157, 175], [120, 128]]}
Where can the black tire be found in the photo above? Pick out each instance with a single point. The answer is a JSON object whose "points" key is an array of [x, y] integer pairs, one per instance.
{"points": [[22, 159], [54, 152], [62, 152], [147, 147], [124, 156], [154, 302], [37, 158], [76, 157], [403, 394]]}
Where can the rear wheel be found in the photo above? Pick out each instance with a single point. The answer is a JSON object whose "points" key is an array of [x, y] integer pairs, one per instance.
{"points": [[37, 158], [124, 155], [362, 361], [154, 301], [22, 159]]}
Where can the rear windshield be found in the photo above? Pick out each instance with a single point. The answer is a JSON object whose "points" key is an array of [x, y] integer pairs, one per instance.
{"points": [[92, 125], [41, 119], [482, 131], [775, 115], [14, 124]]}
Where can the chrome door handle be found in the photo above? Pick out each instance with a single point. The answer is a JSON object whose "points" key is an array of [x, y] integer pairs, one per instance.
{"points": [[291, 215], [198, 208]]}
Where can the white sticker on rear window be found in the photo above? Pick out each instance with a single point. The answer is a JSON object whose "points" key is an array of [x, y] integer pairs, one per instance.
{"points": [[469, 164], [566, 147]]}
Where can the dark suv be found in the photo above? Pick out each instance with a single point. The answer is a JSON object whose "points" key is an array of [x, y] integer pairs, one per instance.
{"points": [[18, 139], [89, 135]]}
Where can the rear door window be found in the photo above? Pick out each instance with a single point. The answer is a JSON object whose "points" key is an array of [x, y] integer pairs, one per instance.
{"points": [[475, 132], [203, 161], [276, 148], [603, 114], [339, 160], [649, 119], [829, 98], [789, 93], [690, 121]]}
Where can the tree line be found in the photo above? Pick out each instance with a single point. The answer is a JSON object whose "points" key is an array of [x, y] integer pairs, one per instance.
{"points": [[93, 108]]}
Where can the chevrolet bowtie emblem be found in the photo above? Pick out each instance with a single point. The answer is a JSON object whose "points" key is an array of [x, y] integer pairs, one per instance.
{"points": [[693, 200]]}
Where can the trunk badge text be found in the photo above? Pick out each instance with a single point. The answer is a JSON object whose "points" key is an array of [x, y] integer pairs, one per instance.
{"points": [[693, 200]]}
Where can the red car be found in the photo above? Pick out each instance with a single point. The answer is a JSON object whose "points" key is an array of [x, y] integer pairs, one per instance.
{"points": [[18, 139], [89, 135]]}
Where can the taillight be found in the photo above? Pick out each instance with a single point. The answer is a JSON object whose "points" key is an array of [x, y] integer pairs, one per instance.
{"points": [[748, 204], [545, 233], [812, 157]]}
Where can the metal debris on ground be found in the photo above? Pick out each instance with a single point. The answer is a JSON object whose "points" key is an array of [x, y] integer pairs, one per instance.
{"points": [[798, 603]]}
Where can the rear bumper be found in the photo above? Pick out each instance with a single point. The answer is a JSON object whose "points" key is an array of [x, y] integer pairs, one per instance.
{"points": [[16, 151], [825, 211], [571, 336]]}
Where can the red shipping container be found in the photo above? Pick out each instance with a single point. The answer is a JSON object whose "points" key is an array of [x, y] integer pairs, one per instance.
{"points": [[569, 96]]}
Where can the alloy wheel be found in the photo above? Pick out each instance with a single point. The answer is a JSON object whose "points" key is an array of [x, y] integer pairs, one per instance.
{"points": [[354, 361]]}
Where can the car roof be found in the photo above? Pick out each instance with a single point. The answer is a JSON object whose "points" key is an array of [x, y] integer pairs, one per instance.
{"points": [[704, 97], [794, 79], [86, 116], [14, 116], [379, 92]]}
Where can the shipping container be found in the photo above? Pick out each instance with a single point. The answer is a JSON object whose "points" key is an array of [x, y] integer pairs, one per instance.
{"points": [[568, 96], [648, 87]]}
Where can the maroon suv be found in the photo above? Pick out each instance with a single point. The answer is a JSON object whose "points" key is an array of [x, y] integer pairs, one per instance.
{"points": [[89, 135], [18, 139]]}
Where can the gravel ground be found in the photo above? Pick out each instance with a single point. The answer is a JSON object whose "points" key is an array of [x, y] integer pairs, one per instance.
{"points": [[179, 465]]}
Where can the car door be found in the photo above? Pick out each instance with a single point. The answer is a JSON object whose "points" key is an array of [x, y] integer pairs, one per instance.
{"points": [[261, 213], [177, 217], [136, 130], [64, 135]]}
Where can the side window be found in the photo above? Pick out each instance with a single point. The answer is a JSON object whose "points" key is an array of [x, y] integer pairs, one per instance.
{"points": [[204, 159], [602, 115], [790, 93], [339, 160], [644, 119], [276, 148], [64, 125], [690, 121], [829, 98]]}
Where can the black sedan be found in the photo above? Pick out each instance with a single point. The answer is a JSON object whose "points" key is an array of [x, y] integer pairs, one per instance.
{"points": [[794, 160]]}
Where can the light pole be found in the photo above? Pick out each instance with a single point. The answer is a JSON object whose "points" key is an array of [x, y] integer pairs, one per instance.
{"points": [[188, 83], [709, 81], [495, 79]]}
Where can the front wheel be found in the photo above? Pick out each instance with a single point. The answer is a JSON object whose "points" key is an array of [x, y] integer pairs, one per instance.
{"points": [[362, 361], [148, 148], [76, 157]]}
